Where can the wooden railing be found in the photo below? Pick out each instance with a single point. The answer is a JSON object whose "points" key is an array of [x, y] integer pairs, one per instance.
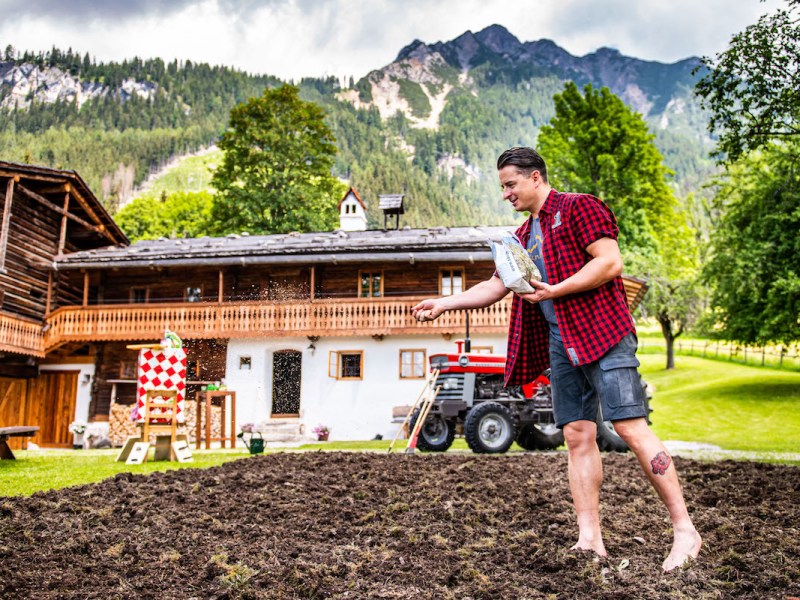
{"points": [[22, 336], [256, 319]]}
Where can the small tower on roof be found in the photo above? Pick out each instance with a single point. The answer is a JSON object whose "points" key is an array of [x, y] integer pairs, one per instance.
{"points": [[391, 204], [352, 212]]}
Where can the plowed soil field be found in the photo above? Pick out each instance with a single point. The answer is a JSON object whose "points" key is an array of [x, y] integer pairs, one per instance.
{"points": [[347, 525]]}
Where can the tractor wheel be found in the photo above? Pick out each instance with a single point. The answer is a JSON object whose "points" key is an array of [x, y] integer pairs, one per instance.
{"points": [[540, 437], [489, 428], [436, 435], [607, 438]]}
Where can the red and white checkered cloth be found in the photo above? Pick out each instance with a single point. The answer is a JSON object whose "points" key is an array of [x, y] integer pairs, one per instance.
{"points": [[161, 370]]}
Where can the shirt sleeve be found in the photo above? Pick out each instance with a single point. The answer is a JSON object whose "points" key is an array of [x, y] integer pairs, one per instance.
{"points": [[593, 220]]}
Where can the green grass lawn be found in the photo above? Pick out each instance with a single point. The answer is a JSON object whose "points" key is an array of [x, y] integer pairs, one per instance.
{"points": [[732, 406], [36, 470]]}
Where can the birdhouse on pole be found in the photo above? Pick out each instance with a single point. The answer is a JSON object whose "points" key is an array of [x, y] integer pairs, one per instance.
{"points": [[391, 204]]}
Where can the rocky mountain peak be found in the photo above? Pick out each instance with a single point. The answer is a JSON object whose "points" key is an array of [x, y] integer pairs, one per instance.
{"points": [[416, 49], [498, 39]]}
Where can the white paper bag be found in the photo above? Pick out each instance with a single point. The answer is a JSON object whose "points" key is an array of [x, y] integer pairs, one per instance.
{"points": [[514, 265]]}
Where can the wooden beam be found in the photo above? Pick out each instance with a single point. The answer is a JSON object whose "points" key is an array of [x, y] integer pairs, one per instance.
{"points": [[85, 289], [16, 175], [6, 221], [34, 196], [220, 286], [62, 238], [312, 277], [49, 293], [56, 189], [90, 211]]}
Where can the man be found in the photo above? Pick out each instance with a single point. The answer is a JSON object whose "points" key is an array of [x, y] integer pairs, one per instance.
{"points": [[583, 330]]}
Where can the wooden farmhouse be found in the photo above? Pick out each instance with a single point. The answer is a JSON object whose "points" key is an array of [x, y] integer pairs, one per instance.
{"points": [[47, 214], [307, 328]]}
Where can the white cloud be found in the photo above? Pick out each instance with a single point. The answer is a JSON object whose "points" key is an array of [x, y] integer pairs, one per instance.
{"points": [[295, 38]]}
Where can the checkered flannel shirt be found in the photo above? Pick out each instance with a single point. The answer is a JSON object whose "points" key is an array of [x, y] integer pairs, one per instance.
{"points": [[590, 322]]}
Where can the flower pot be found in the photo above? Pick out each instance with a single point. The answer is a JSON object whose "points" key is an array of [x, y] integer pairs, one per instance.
{"points": [[322, 437]]}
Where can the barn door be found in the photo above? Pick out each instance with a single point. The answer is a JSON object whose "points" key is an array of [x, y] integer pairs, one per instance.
{"points": [[286, 371], [13, 400], [51, 406]]}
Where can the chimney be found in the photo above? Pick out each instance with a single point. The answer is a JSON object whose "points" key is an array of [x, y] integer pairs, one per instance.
{"points": [[352, 212], [391, 204]]}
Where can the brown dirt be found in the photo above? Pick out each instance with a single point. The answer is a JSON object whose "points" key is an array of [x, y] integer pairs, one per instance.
{"points": [[341, 525]]}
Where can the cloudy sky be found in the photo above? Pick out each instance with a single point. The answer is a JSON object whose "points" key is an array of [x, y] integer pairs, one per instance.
{"points": [[296, 38]]}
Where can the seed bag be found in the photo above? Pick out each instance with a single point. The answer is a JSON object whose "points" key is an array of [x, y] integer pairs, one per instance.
{"points": [[514, 265]]}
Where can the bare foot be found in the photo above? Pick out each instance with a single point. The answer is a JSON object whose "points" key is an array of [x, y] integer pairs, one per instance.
{"points": [[596, 547], [685, 546]]}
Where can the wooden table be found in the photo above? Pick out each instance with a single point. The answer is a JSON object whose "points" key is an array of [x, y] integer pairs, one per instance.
{"points": [[19, 431], [206, 398]]}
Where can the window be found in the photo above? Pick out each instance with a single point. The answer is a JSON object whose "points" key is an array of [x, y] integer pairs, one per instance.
{"points": [[194, 294], [140, 295], [412, 364], [346, 364], [245, 364], [370, 284], [128, 369], [452, 281]]}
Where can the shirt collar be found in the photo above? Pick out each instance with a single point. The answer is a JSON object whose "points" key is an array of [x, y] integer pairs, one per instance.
{"points": [[549, 203]]}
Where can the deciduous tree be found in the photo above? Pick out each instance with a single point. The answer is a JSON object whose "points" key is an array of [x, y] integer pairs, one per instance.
{"points": [[753, 88], [177, 215], [275, 176], [754, 265], [596, 144]]}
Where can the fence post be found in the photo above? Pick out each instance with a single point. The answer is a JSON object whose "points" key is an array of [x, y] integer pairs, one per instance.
{"points": [[763, 351], [705, 347], [717, 354], [745, 354], [780, 361]]}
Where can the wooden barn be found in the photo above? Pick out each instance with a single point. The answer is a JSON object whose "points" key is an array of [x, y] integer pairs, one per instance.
{"points": [[47, 214]]}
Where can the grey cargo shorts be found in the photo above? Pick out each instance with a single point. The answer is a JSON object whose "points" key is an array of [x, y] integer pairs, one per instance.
{"points": [[612, 381]]}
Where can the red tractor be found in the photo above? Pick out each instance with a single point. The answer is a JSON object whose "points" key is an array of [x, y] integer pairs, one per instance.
{"points": [[472, 400]]}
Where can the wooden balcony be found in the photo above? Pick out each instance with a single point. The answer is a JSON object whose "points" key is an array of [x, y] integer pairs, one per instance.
{"points": [[346, 317], [21, 336]]}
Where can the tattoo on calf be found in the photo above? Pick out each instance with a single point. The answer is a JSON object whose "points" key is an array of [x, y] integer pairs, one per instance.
{"points": [[660, 463]]}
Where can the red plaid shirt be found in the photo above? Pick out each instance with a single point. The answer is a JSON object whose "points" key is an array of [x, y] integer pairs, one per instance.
{"points": [[590, 322]]}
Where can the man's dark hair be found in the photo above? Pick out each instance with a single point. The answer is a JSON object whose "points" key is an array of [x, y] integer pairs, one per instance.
{"points": [[527, 160]]}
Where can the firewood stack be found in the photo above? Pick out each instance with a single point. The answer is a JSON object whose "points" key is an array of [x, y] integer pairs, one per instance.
{"points": [[120, 426]]}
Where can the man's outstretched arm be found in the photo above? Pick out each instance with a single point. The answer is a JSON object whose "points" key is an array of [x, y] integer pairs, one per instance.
{"points": [[481, 295]]}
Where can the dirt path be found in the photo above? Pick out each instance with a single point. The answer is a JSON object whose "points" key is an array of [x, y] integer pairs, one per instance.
{"points": [[340, 525]]}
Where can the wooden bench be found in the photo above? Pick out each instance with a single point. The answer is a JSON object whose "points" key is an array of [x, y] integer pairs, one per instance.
{"points": [[7, 432]]}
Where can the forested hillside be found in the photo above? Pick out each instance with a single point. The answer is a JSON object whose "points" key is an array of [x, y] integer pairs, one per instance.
{"points": [[449, 112]]}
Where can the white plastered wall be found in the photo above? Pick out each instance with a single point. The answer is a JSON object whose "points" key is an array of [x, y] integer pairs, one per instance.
{"points": [[352, 409]]}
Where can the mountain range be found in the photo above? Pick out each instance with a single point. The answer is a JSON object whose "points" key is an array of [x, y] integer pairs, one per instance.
{"points": [[429, 124]]}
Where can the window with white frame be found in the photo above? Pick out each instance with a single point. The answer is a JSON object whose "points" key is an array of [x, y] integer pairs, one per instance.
{"points": [[452, 281], [412, 364], [346, 364]]}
